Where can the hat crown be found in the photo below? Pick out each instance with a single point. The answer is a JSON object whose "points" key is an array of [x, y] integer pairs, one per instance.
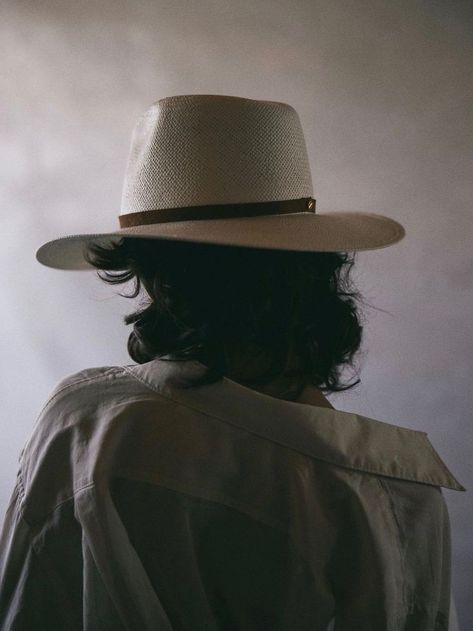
{"points": [[200, 150], [224, 170]]}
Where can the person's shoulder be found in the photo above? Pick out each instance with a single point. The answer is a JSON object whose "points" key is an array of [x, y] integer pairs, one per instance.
{"points": [[81, 386], [86, 375], [81, 394], [77, 399]]}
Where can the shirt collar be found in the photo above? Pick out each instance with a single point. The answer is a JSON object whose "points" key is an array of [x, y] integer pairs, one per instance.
{"points": [[340, 438]]}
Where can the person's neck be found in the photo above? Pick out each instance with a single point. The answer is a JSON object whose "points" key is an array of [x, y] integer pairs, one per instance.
{"points": [[311, 395], [279, 388]]}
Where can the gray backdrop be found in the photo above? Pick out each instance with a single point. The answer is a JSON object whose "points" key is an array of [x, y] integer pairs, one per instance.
{"points": [[382, 89]]}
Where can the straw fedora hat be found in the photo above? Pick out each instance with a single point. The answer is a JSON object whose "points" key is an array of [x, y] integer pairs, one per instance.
{"points": [[224, 170]]}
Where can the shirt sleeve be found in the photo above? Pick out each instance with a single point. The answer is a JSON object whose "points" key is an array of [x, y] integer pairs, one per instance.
{"points": [[393, 571], [31, 596], [423, 523]]}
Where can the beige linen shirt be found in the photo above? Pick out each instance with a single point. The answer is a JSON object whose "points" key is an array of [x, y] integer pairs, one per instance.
{"points": [[143, 506]]}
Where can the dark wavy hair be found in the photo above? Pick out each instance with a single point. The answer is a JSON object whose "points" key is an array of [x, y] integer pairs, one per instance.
{"points": [[207, 302]]}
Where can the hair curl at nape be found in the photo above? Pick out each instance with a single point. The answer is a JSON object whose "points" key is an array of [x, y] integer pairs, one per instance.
{"points": [[211, 302]]}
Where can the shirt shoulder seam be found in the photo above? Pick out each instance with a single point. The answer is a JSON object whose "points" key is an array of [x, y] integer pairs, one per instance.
{"points": [[56, 392], [387, 493]]}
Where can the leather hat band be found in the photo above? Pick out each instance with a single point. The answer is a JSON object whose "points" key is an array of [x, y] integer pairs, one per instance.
{"points": [[217, 211]]}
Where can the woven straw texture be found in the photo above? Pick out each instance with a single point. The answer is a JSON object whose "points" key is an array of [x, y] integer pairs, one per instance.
{"points": [[205, 149]]}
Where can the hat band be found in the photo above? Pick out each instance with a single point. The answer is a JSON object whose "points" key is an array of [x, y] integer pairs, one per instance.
{"points": [[218, 211]]}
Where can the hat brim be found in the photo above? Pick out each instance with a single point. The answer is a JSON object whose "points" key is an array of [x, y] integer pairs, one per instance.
{"points": [[329, 232]]}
